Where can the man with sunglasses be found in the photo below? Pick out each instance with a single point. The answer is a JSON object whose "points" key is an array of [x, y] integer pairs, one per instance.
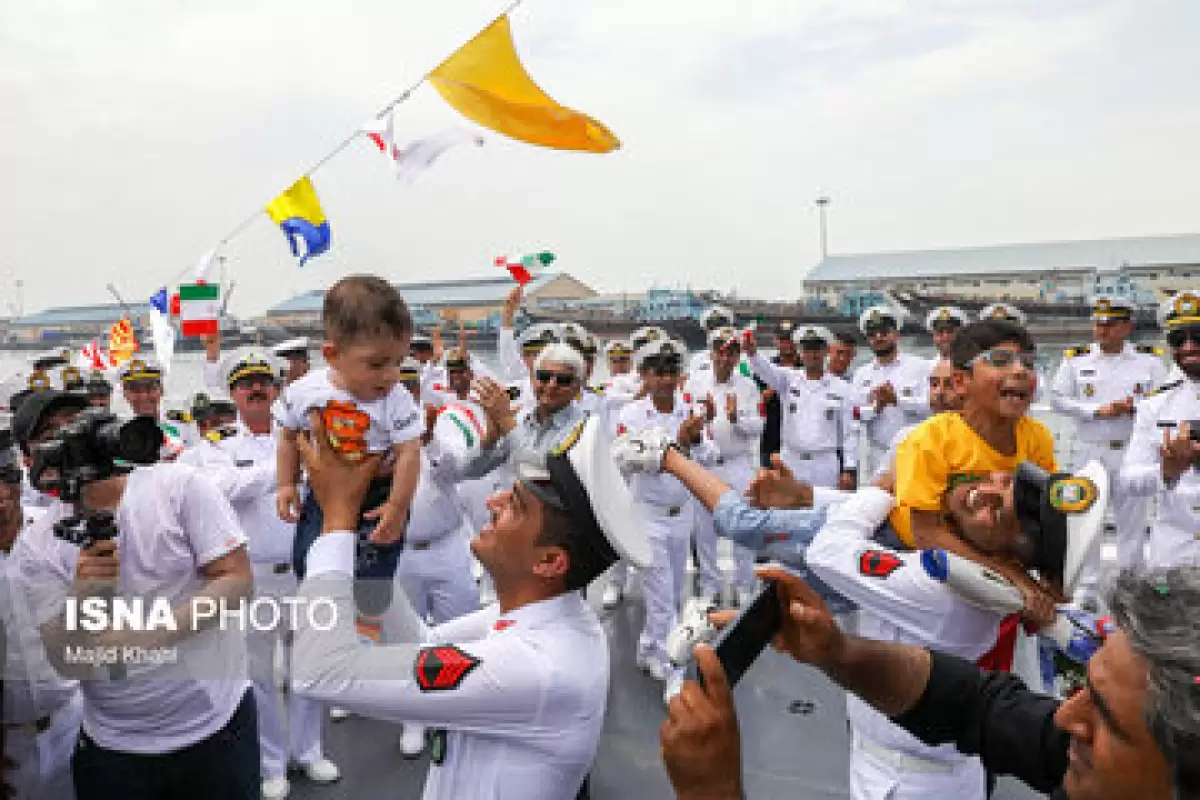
{"points": [[665, 504], [892, 390], [1163, 450], [818, 412], [1099, 386], [42, 711]]}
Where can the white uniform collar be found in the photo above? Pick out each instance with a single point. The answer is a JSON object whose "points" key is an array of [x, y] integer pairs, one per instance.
{"points": [[532, 615]]}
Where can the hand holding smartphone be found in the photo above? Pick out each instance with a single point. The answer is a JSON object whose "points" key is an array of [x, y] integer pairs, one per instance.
{"points": [[743, 639]]}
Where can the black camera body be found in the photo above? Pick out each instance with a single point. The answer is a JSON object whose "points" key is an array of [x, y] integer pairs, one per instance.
{"points": [[94, 446]]}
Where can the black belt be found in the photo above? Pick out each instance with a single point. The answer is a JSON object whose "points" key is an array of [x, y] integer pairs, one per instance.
{"points": [[418, 545]]}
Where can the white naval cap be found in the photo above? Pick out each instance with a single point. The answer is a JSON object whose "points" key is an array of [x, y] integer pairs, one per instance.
{"points": [[1179, 310], [48, 359], [140, 368], [723, 336], [410, 369], [1002, 311], [247, 361], [292, 347], [812, 333], [716, 317], [649, 333], [537, 336], [618, 348], [580, 478], [1115, 309], [946, 315], [1063, 516], [660, 352], [880, 315]]}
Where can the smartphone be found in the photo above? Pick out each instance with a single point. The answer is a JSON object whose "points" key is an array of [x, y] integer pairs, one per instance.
{"points": [[740, 643]]}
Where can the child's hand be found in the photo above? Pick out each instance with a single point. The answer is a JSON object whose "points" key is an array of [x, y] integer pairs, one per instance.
{"points": [[391, 523], [287, 503]]}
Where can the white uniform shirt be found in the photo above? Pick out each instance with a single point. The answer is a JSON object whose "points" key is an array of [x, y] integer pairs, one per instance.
{"points": [[619, 391], [734, 441], [662, 489], [898, 601], [1175, 535], [172, 522], [32, 687], [522, 696], [817, 415], [1090, 379], [395, 418], [909, 376], [254, 457]]}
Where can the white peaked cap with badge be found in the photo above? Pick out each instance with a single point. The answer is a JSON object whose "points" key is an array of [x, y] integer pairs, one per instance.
{"points": [[140, 368], [660, 348], [875, 315], [716, 317], [1002, 311], [650, 333], [1181, 309], [946, 314], [297, 345], [1063, 516], [1112, 308], [724, 334], [581, 478], [812, 333], [249, 360]]}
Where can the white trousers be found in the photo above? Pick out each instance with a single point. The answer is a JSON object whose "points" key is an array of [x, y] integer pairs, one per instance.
{"points": [[1128, 512], [662, 581], [888, 775], [301, 742], [817, 469], [438, 580], [43, 759], [708, 570]]}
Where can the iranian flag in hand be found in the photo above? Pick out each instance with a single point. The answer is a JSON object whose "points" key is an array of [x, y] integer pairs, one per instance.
{"points": [[525, 268], [199, 308]]}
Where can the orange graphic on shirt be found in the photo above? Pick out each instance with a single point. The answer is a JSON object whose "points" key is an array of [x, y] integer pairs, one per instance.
{"points": [[346, 425]]}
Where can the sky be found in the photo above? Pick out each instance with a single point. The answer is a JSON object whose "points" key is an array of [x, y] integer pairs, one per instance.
{"points": [[138, 133]]}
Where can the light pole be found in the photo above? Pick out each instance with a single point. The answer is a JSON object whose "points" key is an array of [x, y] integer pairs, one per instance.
{"points": [[822, 202]]}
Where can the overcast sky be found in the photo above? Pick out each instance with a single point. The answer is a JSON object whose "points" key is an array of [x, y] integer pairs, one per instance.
{"points": [[138, 132]]}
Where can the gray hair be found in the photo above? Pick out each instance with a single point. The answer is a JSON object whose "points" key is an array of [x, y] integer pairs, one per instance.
{"points": [[1158, 610], [559, 353]]}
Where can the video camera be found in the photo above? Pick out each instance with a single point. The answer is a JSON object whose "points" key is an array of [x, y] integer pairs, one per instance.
{"points": [[94, 446]]}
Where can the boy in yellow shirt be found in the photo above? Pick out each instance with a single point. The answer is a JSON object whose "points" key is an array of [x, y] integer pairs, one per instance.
{"points": [[994, 371]]}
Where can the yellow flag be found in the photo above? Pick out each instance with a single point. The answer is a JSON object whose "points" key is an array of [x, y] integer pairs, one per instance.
{"points": [[486, 82]]}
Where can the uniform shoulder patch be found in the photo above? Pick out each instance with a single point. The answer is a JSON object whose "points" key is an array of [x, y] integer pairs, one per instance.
{"points": [[1149, 349], [1078, 351], [1166, 387], [443, 668], [878, 563]]}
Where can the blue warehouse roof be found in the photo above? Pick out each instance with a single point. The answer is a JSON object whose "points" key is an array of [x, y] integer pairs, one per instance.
{"points": [[1100, 254], [431, 294], [68, 315]]}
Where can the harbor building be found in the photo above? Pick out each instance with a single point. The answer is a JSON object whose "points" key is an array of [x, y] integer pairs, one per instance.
{"points": [[1143, 269], [64, 323]]}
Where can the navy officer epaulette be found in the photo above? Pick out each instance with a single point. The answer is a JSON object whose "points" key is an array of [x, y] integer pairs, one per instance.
{"points": [[1078, 351], [179, 416], [1150, 350], [595, 389], [1166, 387]]}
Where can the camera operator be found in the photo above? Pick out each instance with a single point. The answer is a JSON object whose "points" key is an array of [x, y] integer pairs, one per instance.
{"points": [[1163, 450], [42, 711], [168, 710], [1132, 734]]}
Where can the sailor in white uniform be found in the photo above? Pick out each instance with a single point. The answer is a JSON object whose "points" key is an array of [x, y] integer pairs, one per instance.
{"points": [[711, 319], [818, 412], [519, 688], [664, 503], [1100, 386], [890, 391], [142, 386], [294, 353], [900, 600], [621, 388], [42, 710], [1161, 458], [944, 323], [729, 403]]}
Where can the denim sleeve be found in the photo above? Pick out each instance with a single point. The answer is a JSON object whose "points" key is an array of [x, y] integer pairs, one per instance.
{"points": [[756, 528]]}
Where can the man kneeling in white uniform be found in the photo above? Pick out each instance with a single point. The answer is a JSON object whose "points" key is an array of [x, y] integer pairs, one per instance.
{"points": [[521, 686]]}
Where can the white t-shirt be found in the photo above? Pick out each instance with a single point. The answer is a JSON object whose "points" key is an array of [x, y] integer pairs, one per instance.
{"points": [[395, 418], [173, 521]]}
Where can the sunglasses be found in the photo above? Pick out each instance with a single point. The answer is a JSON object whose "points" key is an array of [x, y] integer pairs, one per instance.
{"points": [[1181, 336], [10, 474], [664, 371], [946, 328], [560, 378], [1002, 359]]}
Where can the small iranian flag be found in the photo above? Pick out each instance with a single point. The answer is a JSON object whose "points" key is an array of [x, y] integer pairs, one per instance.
{"points": [[525, 268], [199, 308]]}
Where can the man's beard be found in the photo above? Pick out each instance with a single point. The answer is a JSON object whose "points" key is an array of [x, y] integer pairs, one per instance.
{"points": [[884, 350], [1192, 372]]}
